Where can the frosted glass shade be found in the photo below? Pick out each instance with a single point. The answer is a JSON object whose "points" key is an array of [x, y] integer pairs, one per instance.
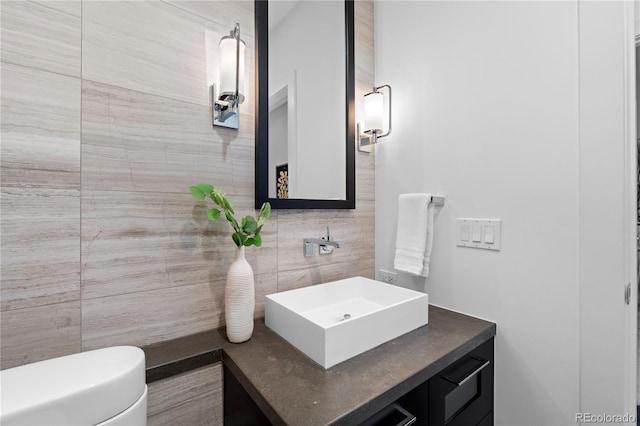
{"points": [[228, 68], [373, 111]]}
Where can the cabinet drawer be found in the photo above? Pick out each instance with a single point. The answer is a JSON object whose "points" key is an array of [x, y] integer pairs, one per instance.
{"points": [[462, 394]]}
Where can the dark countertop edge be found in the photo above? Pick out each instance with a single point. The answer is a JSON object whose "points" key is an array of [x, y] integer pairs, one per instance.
{"points": [[176, 356], [179, 366]]}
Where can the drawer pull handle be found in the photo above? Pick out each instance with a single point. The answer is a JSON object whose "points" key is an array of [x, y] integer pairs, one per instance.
{"points": [[481, 364]]}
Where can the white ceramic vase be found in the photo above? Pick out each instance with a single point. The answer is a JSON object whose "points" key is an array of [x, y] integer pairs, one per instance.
{"points": [[239, 299]]}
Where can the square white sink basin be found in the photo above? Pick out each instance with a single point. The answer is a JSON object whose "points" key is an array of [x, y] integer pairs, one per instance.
{"points": [[338, 320]]}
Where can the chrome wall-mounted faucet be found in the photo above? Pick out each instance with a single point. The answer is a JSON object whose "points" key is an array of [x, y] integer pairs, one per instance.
{"points": [[325, 244]]}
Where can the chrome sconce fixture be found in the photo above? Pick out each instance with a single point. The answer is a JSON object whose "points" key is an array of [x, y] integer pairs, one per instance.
{"points": [[230, 91], [374, 126]]}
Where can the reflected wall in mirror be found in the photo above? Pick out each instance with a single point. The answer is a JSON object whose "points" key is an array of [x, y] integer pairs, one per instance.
{"points": [[305, 120]]}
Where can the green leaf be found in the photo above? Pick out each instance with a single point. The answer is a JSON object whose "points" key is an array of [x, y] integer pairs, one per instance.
{"points": [[265, 210], [249, 225], [228, 205], [197, 192], [205, 187], [232, 219], [219, 199], [238, 238], [213, 214]]}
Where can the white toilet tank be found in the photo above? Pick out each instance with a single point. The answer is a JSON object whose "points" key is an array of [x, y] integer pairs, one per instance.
{"points": [[104, 387]]}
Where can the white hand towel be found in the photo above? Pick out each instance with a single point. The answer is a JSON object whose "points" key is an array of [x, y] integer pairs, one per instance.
{"points": [[414, 238]]}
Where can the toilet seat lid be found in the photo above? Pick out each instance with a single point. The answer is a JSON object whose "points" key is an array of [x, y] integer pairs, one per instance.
{"points": [[83, 388]]}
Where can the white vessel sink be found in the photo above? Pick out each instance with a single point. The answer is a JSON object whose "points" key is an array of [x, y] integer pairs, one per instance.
{"points": [[338, 320]]}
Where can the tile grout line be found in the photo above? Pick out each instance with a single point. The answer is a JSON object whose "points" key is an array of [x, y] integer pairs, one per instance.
{"points": [[208, 282], [137, 91], [35, 68]]}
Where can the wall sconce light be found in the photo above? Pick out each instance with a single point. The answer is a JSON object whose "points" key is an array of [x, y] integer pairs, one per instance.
{"points": [[374, 119], [230, 93]]}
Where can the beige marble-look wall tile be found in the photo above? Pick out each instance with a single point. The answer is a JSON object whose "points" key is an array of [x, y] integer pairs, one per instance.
{"points": [[265, 284], [153, 316], [365, 80], [43, 35], [40, 128], [154, 268], [297, 278], [40, 252], [224, 13], [200, 390], [155, 47], [137, 142], [43, 332], [135, 241], [365, 181], [40, 168], [354, 228], [364, 49]]}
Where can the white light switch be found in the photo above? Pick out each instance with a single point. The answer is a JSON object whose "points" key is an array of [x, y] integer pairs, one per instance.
{"points": [[464, 232], [479, 233], [488, 234]]}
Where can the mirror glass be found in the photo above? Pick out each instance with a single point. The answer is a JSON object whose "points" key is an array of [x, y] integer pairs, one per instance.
{"points": [[305, 104]]}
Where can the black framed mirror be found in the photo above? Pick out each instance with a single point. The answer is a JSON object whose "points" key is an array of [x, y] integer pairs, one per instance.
{"points": [[305, 104]]}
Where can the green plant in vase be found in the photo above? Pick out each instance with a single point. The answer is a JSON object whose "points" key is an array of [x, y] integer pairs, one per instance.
{"points": [[247, 231], [239, 294]]}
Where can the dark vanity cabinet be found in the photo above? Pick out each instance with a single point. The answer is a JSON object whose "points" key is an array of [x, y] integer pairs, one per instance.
{"points": [[460, 394]]}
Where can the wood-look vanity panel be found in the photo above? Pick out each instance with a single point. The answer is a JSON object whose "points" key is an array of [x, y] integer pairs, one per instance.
{"points": [[193, 398]]}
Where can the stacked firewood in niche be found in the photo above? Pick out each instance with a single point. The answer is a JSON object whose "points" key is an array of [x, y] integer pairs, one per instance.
{"points": [[282, 183]]}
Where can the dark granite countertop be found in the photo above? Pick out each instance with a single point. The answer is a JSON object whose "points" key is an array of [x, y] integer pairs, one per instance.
{"points": [[290, 388]]}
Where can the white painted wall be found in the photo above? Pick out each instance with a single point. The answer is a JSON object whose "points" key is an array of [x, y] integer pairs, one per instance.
{"points": [[487, 111], [603, 186]]}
